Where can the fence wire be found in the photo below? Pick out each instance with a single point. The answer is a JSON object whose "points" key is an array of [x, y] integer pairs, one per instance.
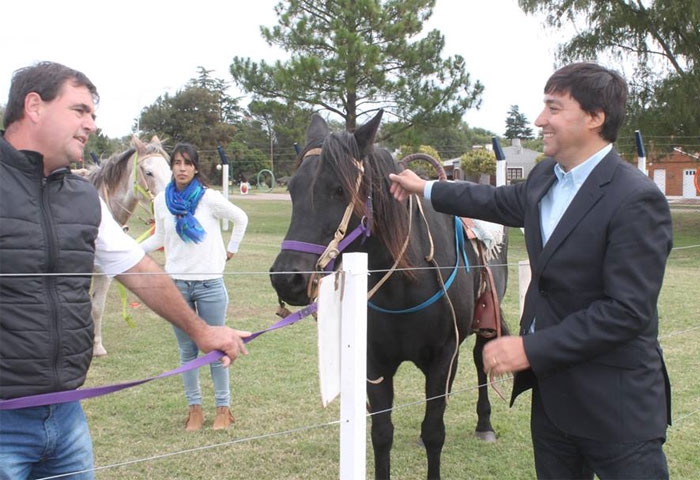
{"points": [[678, 422]]}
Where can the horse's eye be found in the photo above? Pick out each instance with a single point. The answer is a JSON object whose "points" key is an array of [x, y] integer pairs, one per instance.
{"points": [[149, 174], [339, 191]]}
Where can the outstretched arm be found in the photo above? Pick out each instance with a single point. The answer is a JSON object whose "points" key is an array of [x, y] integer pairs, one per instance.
{"points": [[158, 291]]}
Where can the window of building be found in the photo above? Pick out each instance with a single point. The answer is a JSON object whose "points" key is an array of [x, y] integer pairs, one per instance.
{"points": [[513, 173]]}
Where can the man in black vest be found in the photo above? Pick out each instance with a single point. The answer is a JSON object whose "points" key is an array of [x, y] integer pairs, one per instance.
{"points": [[53, 222]]}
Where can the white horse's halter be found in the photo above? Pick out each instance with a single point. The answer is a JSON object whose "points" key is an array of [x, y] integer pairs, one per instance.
{"points": [[139, 185]]}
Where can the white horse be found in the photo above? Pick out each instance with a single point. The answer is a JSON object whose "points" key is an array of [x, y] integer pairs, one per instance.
{"points": [[124, 181]]}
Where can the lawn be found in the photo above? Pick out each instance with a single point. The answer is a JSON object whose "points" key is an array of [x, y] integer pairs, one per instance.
{"points": [[281, 429]]}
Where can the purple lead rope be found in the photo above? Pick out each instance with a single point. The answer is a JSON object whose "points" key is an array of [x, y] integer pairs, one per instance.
{"points": [[81, 394]]}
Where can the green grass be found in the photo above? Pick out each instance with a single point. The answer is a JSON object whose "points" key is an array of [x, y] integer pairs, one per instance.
{"points": [[281, 430]]}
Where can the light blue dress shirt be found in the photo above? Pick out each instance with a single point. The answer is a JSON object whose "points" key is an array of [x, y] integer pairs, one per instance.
{"points": [[563, 190]]}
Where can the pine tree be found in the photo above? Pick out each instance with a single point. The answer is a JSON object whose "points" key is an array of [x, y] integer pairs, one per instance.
{"points": [[353, 57], [516, 125]]}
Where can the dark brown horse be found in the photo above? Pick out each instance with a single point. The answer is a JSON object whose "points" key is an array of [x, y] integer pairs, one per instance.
{"points": [[424, 276]]}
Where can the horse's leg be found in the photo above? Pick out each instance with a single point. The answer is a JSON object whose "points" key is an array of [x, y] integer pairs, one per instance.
{"points": [[100, 287], [381, 398], [433, 426], [484, 430]]}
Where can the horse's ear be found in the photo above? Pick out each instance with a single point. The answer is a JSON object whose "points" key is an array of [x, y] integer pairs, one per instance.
{"points": [[365, 135], [318, 129], [138, 144], [155, 140]]}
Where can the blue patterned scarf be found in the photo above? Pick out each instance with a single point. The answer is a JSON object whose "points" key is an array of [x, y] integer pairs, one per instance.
{"points": [[183, 205]]}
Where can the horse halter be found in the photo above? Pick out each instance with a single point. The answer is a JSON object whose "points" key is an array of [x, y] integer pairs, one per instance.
{"points": [[329, 253], [145, 191], [137, 179]]}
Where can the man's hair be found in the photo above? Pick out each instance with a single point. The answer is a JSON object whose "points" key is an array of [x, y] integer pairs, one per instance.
{"points": [[46, 79], [596, 89]]}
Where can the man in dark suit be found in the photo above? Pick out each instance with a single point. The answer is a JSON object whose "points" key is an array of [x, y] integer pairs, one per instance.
{"points": [[598, 233]]}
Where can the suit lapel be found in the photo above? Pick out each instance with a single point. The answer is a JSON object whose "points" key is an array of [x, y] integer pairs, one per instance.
{"points": [[533, 232], [588, 195]]}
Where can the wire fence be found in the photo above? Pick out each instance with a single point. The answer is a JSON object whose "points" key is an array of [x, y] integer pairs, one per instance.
{"points": [[679, 422]]}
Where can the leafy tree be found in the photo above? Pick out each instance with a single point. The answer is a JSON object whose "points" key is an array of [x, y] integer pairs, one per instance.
{"points": [[536, 144], [659, 39], [450, 141], [201, 113], [284, 124], [356, 56], [229, 110], [103, 146], [191, 115], [516, 125], [482, 137], [246, 162]]}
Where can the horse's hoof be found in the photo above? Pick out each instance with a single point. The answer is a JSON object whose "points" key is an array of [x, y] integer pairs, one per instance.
{"points": [[489, 437], [99, 351]]}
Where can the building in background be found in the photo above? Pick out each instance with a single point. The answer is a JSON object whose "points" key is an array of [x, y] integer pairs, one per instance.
{"points": [[676, 174], [519, 161]]}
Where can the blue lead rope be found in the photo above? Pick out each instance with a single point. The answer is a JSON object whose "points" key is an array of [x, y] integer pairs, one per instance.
{"points": [[459, 248]]}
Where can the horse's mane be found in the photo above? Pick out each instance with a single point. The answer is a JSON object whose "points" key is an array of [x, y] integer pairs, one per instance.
{"points": [[389, 217], [110, 172]]}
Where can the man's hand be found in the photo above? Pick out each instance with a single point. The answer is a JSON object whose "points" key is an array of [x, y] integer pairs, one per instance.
{"points": [[505, 355], [225, 339], [406, 183]]}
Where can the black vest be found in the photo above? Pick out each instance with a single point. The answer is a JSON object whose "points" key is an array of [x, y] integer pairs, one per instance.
{"points": [[48, 227]]}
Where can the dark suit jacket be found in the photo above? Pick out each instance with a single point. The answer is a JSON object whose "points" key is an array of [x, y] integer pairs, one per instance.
{"points": [[594, 355]]}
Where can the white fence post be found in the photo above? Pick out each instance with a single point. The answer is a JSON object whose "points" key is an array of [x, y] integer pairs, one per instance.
{"points": [[353, 368], [523, 281], [641, 154], [224, 188], [500, 162]]}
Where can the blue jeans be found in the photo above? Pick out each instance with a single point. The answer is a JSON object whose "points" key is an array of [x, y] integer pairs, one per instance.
{"points": [[209, 299], [40, 442]]}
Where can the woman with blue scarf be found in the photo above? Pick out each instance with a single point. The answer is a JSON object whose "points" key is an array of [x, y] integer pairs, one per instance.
{"points": [[187, 224]]}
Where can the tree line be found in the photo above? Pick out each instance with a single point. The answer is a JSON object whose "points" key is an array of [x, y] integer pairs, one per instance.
{"points": [[347, 59]]}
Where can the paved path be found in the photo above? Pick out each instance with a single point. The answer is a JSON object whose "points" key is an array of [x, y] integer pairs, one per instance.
{"points": [[260, 196]]}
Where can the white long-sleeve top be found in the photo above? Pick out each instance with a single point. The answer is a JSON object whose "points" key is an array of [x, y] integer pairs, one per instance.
{"points": [[197, 261]]}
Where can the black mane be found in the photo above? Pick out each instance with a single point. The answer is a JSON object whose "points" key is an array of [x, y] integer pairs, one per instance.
{"points": [[389, 222]]}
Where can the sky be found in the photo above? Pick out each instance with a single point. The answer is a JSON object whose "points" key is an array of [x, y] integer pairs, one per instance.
{"points": [[134, 51]]}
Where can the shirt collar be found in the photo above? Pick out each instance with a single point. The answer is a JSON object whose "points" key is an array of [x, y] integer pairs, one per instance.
{"points": [[580, 172]]}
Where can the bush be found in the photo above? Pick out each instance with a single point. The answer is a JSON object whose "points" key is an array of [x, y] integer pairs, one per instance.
{"points": [[479, 161]]}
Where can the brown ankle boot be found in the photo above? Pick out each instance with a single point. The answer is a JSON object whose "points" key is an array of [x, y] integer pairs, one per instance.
{"points": [[223, 419], [195, 418]]}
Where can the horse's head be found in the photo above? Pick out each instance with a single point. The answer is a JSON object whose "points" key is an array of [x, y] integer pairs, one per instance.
{"points": [[133, 176], [153, 164], [339, 196]]}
